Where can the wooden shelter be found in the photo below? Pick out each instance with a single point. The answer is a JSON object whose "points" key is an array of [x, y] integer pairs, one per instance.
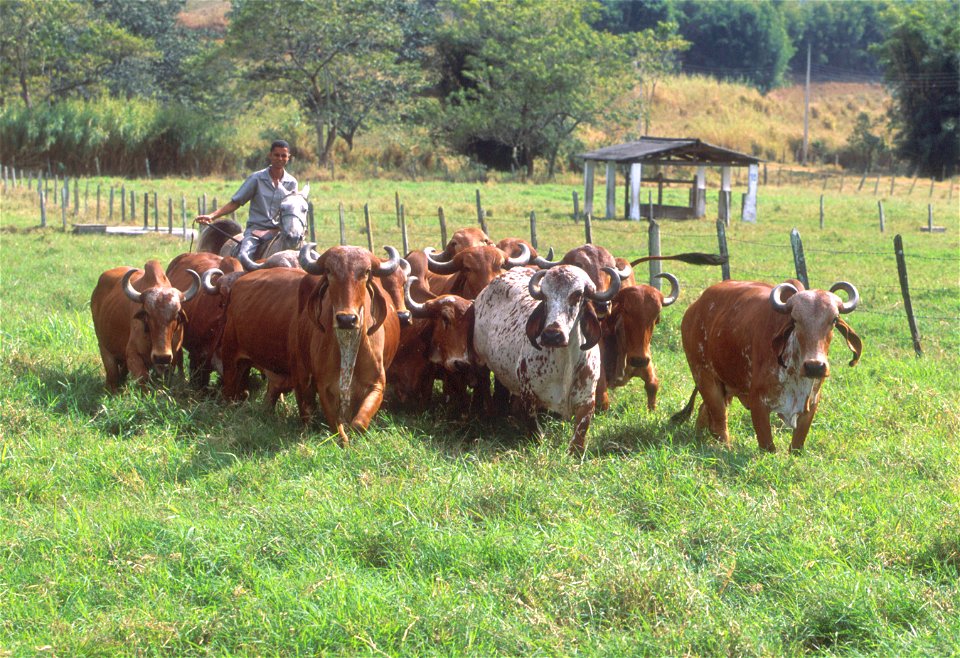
{"points": [[656, 151]]}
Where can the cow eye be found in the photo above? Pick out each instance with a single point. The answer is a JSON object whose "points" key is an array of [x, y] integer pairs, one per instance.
{"points": [[575, 298]]}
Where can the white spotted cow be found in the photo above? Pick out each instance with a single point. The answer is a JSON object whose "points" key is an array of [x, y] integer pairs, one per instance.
{"points": [[537, 333]]}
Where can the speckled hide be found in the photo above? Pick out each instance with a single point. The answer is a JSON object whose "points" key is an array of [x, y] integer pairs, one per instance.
{"points": [[773, 358], [559, 377]]}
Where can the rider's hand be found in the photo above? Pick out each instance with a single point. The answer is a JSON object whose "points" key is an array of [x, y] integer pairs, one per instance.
{"points": [[203, 219]]}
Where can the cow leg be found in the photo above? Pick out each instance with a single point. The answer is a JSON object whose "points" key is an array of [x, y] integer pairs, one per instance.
{"points": [[138, 369], [306, 397], [602, 397], [760, 415], [713, 411], [651, 385], [500, 402], [582, 416], [330, 403], [113, 369], [369, 406], [804, 420]]}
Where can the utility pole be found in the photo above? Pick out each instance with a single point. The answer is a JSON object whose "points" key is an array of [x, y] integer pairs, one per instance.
{"points": [[806, 109]]}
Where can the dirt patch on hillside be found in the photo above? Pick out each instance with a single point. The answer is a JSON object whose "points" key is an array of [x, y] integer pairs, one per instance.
{"points": [[205, 15]]}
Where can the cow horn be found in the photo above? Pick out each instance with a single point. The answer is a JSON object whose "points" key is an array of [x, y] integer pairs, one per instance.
{"points": [[188, 294], [534, 285], [310, 263], [520, 260], [778, 304], [625, 273], [853, 297], [128, 289], [611, 290], [206, 281], [674, 288], [416, 309], [388, 267], [438, 266], [249, 265], [545, 263], [405, 267]]}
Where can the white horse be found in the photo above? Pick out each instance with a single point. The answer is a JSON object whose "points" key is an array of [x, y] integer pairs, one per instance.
{"points": [[224, 235]]}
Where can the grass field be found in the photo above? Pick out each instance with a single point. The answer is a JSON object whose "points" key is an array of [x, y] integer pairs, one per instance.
{"points": [[172, 523]]}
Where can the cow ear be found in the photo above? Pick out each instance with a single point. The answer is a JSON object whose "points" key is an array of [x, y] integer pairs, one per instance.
{"points": [[853, 340], [378, 307], [780, 341], [311, 299], [589, 327], [535, 324]]}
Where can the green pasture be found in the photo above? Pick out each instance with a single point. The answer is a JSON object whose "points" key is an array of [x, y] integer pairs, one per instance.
{"points": [[172, 523]]}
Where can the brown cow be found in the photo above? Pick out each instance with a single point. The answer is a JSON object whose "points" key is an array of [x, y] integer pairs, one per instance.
{"points": [[139, 319], [470, 269], [201, 336], [627, 331], [262, 306], [767, 345], [439, 340], [345, 336], [470, 236]]}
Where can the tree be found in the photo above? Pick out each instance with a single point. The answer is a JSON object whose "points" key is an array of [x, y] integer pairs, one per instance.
{"points": [[520, 77], [921, 64], [340, 60], [60, 48], [840, 34], [654, 55], [737, 39]]}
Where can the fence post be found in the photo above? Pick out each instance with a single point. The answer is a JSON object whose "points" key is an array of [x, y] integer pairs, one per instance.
{"points": [[882, 218], [43, 209], [576, 207], [480, 217], [821, 211], [533, 229], [653, 232], [905, 290], [65, 194], [343, 228], [876, 185], [722, 241], [798, 260], [146, 210], [862, 181], [311, 222], [403, 229], [170, 215], [443, 228], [366, 221], [587, 228]]}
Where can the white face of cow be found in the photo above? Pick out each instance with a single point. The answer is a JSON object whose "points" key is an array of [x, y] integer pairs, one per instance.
{"points": [[162, 325], [564, 290], [813, 315]]}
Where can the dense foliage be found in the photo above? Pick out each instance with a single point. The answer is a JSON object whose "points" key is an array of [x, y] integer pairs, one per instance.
{"points": [[503, 84]]}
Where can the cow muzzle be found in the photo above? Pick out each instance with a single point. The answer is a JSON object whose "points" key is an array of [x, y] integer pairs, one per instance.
{"points": [[816, 369], [162, 360], [346, 320], [553, 337]]}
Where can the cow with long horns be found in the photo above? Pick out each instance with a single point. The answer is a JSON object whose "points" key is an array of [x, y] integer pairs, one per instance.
{"points": [[346, 335], [537, 332], [138, 318], [766, 345]]}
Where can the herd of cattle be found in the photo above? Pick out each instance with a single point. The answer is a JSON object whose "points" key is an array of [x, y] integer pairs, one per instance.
{"points": [[346, 327]]}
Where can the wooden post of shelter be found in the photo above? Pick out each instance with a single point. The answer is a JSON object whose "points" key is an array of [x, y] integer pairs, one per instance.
{"points": [[533, 229], [587, 228], [146, 210], [636, 175], [588, 176], [905, 291], [611, 190]]}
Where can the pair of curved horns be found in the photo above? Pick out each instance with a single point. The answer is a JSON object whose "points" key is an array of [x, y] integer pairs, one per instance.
{"points": [[137, 296], [601, 297], [780, 306], [313, 264], [440, 266], [548, 262]]}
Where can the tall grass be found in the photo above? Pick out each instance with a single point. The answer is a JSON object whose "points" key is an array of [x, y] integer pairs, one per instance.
{"points": [[169, 522]]}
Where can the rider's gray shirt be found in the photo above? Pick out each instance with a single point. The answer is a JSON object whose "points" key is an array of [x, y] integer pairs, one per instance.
{"points": [[264, 198]]}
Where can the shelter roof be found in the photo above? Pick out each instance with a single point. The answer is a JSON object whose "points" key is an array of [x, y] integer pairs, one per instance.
{"points": [[667, 150]]}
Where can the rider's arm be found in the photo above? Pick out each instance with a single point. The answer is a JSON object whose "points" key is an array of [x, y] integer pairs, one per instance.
{"points": [[226, 209]]}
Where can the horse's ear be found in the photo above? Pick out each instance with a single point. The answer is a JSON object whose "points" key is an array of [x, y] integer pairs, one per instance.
{"points": [[305, 191]]}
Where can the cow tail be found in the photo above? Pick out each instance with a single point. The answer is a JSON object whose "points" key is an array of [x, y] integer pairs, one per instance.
{"points": [[684, 414]]}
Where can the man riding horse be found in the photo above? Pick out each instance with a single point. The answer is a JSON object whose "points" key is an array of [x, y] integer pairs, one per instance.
{"points": [[265, 190]]}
